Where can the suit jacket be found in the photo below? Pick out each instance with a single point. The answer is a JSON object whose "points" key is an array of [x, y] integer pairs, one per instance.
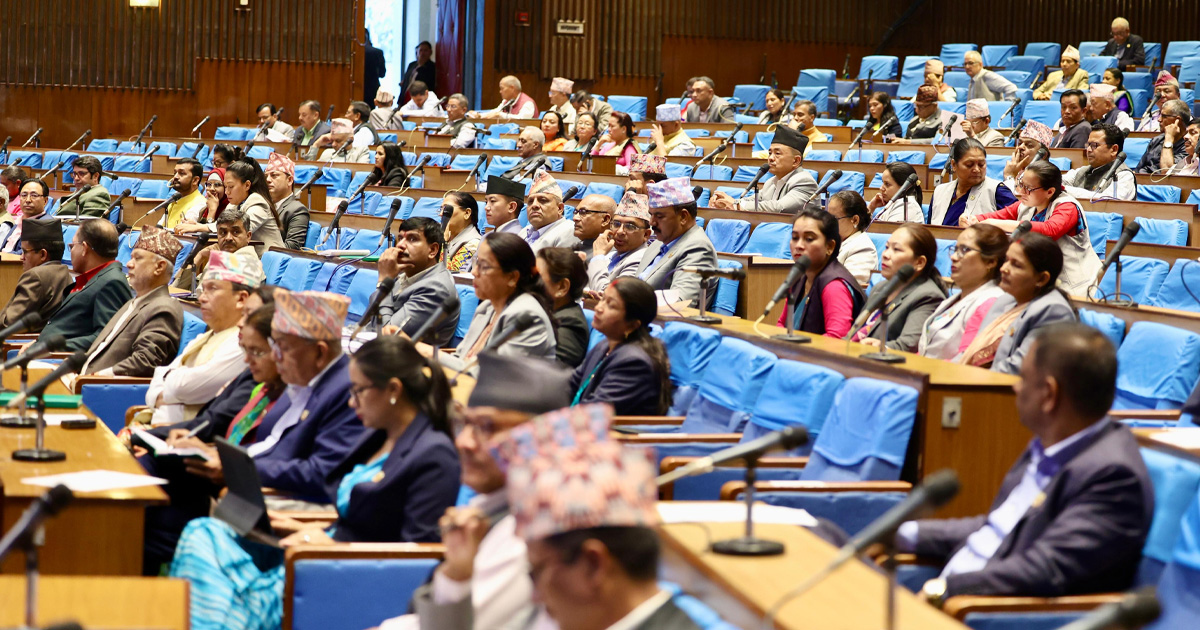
{"points": [[294, 216], [1074, 138], [623, 378], [427, 74], [719, 110], [92, 203], [86, 312], [784, 194], [147, 339], [218, 412], [321, 129], [536, 341], [1042, 311], [327, 433], [1077, 82], [39, 289], [600, 276], [1086, 536], [410, 306], [692, 248], [573, 334], [907, 314], [418, 482], [668, 617], [374, 69], [1133, 53], [561, 233]]}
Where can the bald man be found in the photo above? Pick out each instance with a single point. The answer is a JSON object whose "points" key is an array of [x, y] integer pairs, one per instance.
{"points": [[514, 102], [1129, 49], [986, 84], [529, 149], [593, 217]]}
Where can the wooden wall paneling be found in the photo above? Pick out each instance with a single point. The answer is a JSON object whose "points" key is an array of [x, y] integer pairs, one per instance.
{"points": [[570, 55]]}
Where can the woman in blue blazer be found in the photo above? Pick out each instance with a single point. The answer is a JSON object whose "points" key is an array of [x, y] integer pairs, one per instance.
{"points": [[394, 486], [630, 371]]}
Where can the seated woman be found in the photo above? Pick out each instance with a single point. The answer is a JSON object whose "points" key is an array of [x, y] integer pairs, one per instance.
{"points": [[394, 486], [775, 112], [556, 132], [585, 131], [630, 371], [246, 188], [215, 200], [565, 277], [1116, 78], [1035, 138], [509, 289], [972, 192], [460, 215], [225, 154], [1030, 270], [827, 299], [1055, 214], [883, 121], [975, 265], [857, 251], [911, 304], [390, 166], [620, 141], [886, 207]]}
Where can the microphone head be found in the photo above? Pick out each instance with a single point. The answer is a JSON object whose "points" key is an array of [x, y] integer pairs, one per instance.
{"points": [[906, 273], [55, 343], [764, 168], [697, 191], [343, 205], [87, 134], [451, 302], [76, 361], [941, 486], [571, 192], [373, 178], [802, 264], [125, 193], [1138, 608], [34, 320], [1133, 228], [912, 180], [386, 285], [792, 437], [1023, 228], [57, 498], [317, 174], [396, 203], [153, 117], [835, 175]]}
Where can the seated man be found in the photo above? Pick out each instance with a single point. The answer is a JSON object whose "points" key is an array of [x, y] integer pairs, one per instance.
{"points": [[668, 136], [643, 169], [381, 115], [145, 333], [977, 122], [281, 180], [1073, 513], [1033, 138], [1070, 77], [44, 278], [1174, 120], [461, 130], [1101, 108], [422, 281], [342, 145], [422, 101], [233, 236], [560, 103], [681, 243], [790, 185], [1130, 50], [359, 115], [195, 376], [529, 149], [618, 253], [1166, 89], [504, 199], [585, 103], [544, 209], [311, 127], [276, 130], [1072, 129], [1104, 143], [804, 115], [593, 216], [94, 201], [100, 288], [706, 106], [186, 180], [924, 128], [1185, 163], [985, 84], [32, 200], [513, 104]]}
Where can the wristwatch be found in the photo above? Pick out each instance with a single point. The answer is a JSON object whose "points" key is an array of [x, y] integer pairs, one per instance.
{"points": [[934, 592]]}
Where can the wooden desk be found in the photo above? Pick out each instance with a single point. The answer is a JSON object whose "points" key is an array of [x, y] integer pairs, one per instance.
{"points": [[743, 589], [130, 603], [10, 272], [982, 447], [99, 533], [1148, 439], [763, 275]]}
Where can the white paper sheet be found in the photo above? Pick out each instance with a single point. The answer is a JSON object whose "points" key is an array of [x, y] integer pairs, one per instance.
{"points": [[162, 449], [55, 419], [956, 130], [731, 512], [95, 480], [1180, 438]]}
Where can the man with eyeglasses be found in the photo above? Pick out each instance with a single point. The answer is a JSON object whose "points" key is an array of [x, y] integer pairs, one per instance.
{"points": [[790, 185], [560, 103], [193, 378], [44, 278], [94, 201], [461, 131], [1130, 50], [593, 216], [483, 581], [544, 207], [422, 282], [1166, 89], [529, 149], [618, 252], [1175, 119], [100, 288], [33, 197], [986, 84], [1104, 143]]}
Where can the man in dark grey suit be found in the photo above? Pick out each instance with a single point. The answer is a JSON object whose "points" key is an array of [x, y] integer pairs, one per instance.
{"points": [[100, 289], [1130, 50], [681, 243], [422, 282], [1072, 515], [706, 106], [790, 186]]}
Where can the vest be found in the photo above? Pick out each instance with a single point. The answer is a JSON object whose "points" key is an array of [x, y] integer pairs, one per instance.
{"points": [[812, 318], [980, 199], [1080, 262], [452, 129], [1082, 176], [516, 105]]}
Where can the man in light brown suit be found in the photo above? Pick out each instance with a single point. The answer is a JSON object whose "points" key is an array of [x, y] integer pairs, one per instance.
{"points": [[145, 333], [45, 279]]}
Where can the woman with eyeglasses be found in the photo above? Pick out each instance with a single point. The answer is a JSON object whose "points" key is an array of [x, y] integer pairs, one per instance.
{"points": [[565, 277], [390, 166], [460, 216], [911, 303], [1057, 215], [971, 192], [585, 131], [975, 265], [827, 299], [393, 487]]}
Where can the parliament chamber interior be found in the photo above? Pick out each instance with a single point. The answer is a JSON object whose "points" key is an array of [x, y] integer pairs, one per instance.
{"points": [[591, 315]]}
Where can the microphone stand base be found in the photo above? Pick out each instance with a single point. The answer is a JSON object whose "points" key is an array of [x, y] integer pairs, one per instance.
{"points": [[17, 422], [704, 319], [793, 338], [747, 547], [38, 455], [883, 357]]}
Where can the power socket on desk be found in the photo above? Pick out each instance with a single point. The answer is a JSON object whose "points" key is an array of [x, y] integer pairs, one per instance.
{"points": [[951, 413]]}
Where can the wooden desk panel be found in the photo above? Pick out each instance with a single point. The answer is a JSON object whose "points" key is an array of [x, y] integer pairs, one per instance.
{"points": [[10, 272], [130, 603], [1148, 438]]}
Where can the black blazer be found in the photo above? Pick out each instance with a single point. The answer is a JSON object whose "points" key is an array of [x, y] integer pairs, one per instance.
{"points": [[86, 312], [1086, 536], [573, 334], [426, 74], [420, 479], [1135, 51], [625, 380], [219, 412]]}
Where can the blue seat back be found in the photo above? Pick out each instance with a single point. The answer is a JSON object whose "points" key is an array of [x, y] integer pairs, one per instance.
{"points": [[300, 274], [755, 95], [912, 76], [1161, 193], [872, 156], [879, 67], [368, 204], [367, 240], [468, 302], [726, 300], [1189, 72], [314, 235], [429, 207], [612, 191], [1176, 482], [770, 239], [824, 155], [997, 109], [1162, 379], [1162, 231], [1177, 586], [850, 180], [1177, 51], [231, 133], [336, 181], [332, 278], [1141, 278], [491, 142], [708, 171], [1134, 149], [952, 54], [997, 55], [1177, 288], [274, 264], [333, 241], [629, 104], [193, 327], [690, 349], [675, 169], [362, 285], [1019, 78], [318, 584], [1045, 112], [866, 434], [728, 235], [110, 401], [131, 164], [1049, 52], [1032, 64], [103, 145], [1095, 67], [795, 394], [1112, 326], [154, 189], [1102, 227], [726, 396], [908, 157]]}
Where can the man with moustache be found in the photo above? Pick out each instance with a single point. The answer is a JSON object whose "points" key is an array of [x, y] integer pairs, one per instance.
{"points": [[422, 281], [547, 227], [618, 252], [681, 243]]}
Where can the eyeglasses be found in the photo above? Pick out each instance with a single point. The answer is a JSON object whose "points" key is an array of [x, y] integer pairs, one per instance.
{"points": [[31, 196], [842, 218], [628, 226], [254, 353], [484, 428], [356, 392], [1022, 186], [585, 212], [963, 250], [483, 267]]}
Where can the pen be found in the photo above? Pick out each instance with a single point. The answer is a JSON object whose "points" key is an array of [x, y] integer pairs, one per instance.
{"points": [[199, 428]]}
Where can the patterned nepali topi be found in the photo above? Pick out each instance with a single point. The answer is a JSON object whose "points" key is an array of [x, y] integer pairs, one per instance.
{"points": [[676, 191], [240, 267], [279, 162], [561, 85], [544, 184], [159, 241], [1038, 131], [977, 108], [668, 113], [315, 315], [648, 163], [634, 205]]}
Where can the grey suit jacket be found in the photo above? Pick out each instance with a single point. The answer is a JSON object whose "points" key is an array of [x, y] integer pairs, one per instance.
{"points": [[148, 339], [92, 203], [783, 195], [536, 341], [691, 249], [668, 617], [719, 110], [294, 217], [561, 233], [1047, 309], [40, 289], [907, 315], [410, 306], [599, 275]]}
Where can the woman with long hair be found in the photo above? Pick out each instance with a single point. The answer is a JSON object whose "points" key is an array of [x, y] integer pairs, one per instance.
{"points": [[775, 111], [630, 371], [565, 276], [390, 166], [620, 141], [556, 132], [975, 265], [885, 206], [1116, 78], [911, 303], [882, 119], [828, 298]]}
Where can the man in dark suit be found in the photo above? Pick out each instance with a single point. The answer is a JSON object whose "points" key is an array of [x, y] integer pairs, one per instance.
{"points": [[423, 69], [311, 126], [1073, 513], [422, 282], [1129, 49], [374, 68], [45, 279], [100, 288]]}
